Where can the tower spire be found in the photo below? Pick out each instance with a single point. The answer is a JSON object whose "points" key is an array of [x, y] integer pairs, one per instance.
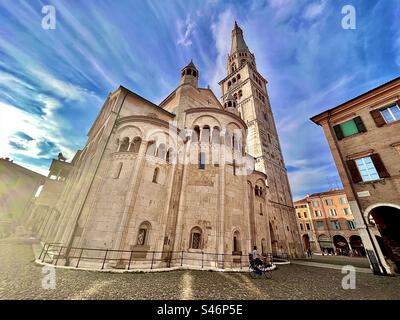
{"points": [[240, 53], [238, 43]]}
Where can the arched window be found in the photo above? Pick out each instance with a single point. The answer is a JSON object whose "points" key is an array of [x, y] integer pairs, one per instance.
{"points": [[229, 84], [161, 151], [194, 73], [151, 148], [229, 103], [216, 135], [202, 160], [118, 170], [196, 241], [236, 241], [234, 80], [155, 175], [240, 93], [189, 72], [257, 190], [124, 144], [196, 134], [143, 234], [170, 155], [238, 77], [135, 145], [205, 134], [235, 96]]}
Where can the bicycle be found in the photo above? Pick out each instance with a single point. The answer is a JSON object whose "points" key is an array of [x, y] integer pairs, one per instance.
{"points": [[264, 269]]}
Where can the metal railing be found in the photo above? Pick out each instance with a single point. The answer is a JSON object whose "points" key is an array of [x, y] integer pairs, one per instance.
{"points": [[126, 259]]}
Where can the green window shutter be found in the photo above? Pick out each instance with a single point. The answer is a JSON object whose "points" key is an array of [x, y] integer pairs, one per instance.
{"points": [[360, 124], [349, 128], [338, 131]]}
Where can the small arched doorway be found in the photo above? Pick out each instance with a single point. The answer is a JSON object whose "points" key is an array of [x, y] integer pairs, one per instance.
{"points": [[341, 245], [306, 242], [387, 221], [357, 246]]}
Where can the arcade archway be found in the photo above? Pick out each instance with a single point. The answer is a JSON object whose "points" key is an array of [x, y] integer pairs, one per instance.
{"points": [[326, 244], [357, 246], [341, 245], [306, 242], [387, 220]]}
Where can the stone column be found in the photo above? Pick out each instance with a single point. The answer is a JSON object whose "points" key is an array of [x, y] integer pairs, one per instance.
{"points": [[178, 245], [221, 204], [130, 199]]}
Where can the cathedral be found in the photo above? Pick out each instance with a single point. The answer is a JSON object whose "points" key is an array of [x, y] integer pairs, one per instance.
{"points": [[194, 175]]}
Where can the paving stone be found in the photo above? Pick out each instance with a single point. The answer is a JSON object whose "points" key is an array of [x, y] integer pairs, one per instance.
{"points": [[20, 278]]}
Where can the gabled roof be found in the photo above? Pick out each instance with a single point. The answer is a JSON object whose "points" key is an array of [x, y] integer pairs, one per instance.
{"points": [[322, 115], [145, 100]]}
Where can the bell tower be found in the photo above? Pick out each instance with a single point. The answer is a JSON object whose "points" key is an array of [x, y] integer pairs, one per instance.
{"points": [[249, 89], [190, 75]]}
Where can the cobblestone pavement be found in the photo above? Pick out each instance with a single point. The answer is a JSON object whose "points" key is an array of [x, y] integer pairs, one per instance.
{"points": [[20, 278]]}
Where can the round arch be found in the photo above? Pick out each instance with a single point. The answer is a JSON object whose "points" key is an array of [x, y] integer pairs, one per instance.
{"points": [[341, 244], [386, 218]]}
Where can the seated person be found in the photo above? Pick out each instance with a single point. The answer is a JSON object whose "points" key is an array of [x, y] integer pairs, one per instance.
{"points": [[257, 260]]}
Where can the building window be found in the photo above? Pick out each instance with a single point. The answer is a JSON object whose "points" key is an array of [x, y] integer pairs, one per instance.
{"points": [[315, 204], [351, 224], [329, 202], [335, 224], [305, 215], [391, 114], [346, 211], [124, 145], [343, 200], [332, 212], [155, 175], [195, 238], [308, 227], [320, 225], [301, 227], [143, 234], [349, 128], [236, 241], [367, 169], [299, 215], [317, 213], [202, 160]]}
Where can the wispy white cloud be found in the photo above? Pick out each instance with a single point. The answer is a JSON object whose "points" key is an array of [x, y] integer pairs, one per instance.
{"points": [[315, 10], [221, 33], [185, 30]]}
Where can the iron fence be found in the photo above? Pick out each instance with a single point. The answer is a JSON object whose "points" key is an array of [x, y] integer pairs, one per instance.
{"points": [[126, 259]]}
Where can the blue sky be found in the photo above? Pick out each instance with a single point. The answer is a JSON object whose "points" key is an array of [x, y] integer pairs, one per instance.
{"points": [[53, 82]]}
